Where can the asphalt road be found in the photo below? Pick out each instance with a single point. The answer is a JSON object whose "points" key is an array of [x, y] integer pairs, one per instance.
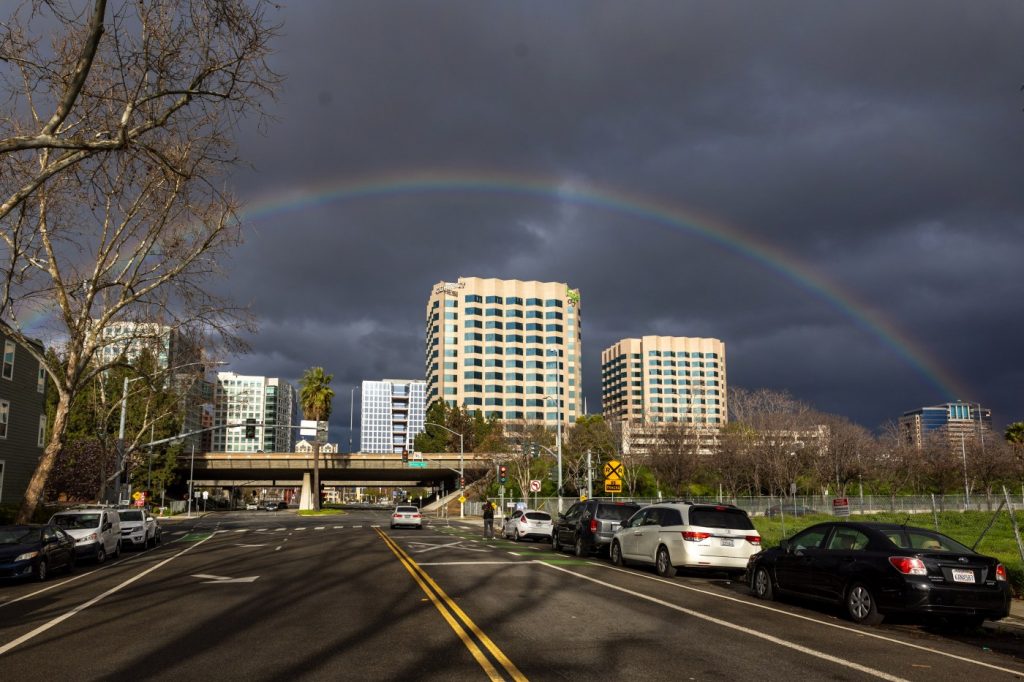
{"points": [[270, 595]]}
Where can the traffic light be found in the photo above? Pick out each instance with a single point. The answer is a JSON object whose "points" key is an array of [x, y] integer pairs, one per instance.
{"points": [[502, 474], [462, 482], [535, 450], [250, 428], [405, 456]]}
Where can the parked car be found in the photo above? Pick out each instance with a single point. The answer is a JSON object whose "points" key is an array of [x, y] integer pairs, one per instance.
{"points": [[270, 505], [138, 527], [406, 516], [527, 524], [96, 530], [34, 550], [251, 506], [684, 535], [874, 569], [282, 505], [784, 510], [588, 526]]}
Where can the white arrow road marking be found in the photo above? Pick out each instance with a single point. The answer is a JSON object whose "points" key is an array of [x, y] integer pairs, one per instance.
{"points": [[217, 579]]}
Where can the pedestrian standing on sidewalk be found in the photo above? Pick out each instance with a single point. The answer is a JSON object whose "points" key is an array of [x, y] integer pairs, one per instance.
{"points": [[488, 520]]}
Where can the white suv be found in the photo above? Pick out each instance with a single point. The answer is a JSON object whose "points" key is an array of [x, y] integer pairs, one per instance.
{"points": [[138, 528], [96, 530], [685, 535]]}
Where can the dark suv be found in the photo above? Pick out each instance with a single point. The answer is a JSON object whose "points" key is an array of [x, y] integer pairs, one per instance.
{"points": [[588, 526]]}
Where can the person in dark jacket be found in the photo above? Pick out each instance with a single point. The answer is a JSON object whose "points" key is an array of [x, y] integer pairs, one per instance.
{"points": [[488, 520]]}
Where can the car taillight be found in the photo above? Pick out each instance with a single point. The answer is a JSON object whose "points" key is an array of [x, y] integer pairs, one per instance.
{"points": [[396, 516], [695, 536], [416, 516], [593, 525], [754, 539], [908, 565], [1001, 572]]}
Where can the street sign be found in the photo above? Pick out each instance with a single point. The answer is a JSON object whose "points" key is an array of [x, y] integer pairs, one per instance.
{"points": [[137, 496], [206, 494], [613, 470], [140, 503], [307, 427], [841, 506], [462, 499], [612, 485], [420, 464], [534, 486]]}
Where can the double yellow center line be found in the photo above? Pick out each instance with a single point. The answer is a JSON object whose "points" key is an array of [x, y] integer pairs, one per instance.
{"points": [[456, 618]]}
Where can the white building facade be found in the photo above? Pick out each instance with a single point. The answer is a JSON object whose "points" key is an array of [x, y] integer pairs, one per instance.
{"points": [[270, 401], [392, 413]]}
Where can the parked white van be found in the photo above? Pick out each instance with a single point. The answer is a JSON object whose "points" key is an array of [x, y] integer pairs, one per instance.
{"points": [[96, 530]]}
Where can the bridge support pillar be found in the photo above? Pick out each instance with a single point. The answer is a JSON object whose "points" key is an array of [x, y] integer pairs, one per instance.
{"points": [[306, 496]]}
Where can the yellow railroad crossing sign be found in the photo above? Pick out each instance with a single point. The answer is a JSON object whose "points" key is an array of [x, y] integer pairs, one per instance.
{"points": [[613, 470]]}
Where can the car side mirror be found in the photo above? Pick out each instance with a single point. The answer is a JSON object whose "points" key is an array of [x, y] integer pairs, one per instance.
{"points": [[786, 546], [150, 518], [561, 517]]}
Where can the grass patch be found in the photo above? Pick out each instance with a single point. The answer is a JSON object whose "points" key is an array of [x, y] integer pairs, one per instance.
{"points": [[322, 512], [964, 527]]}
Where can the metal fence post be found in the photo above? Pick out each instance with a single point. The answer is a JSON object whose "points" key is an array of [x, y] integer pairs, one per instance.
{"points": [[1013, 520], [935, 516]]}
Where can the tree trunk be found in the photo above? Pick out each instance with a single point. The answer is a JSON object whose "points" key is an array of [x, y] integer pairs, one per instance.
{"points": [[316, 474], [37, 484]]}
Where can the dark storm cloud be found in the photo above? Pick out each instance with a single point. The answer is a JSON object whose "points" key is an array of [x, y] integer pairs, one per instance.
{"points": [[878, 145]]}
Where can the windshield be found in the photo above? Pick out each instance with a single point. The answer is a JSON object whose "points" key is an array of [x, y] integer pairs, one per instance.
{"points": [[76, 520], [17, 536], [130, 515]]}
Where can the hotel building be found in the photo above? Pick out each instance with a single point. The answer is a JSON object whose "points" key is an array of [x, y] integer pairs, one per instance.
{"points": [[271, 402], [391, 415], [660, 379], [507, 348], [950, 421]]}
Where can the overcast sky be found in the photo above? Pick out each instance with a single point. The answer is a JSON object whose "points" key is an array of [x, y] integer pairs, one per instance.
{"points": [[832, 189]]}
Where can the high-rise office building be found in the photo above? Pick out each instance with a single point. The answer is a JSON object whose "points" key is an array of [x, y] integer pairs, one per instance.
{"points": [[661, 379], [270, 401], [507, 348], [392, 413], [950, 421]]}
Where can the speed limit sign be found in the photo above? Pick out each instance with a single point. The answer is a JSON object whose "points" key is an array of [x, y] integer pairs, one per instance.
{"points": [[534, 486]]}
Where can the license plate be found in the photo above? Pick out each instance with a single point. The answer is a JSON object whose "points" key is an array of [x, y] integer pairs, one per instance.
{"points": [[961, 575], [726, 542]]}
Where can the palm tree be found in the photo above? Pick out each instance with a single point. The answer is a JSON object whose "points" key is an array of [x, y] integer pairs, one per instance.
{"points": [[315, 396], [1015, 434]]}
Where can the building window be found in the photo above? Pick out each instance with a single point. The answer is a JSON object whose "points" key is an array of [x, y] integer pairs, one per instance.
{"points": [[8, 368], [41, 379], [473, 298], [41, 440], [5, 411]]}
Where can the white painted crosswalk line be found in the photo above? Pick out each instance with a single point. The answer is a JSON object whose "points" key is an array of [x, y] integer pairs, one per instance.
{"points": [[337, 527], [357, 526], [261, 530], [301, 528]]}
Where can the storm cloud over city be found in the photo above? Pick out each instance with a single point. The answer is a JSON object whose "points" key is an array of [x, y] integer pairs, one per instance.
{"points": [[833, 191]]}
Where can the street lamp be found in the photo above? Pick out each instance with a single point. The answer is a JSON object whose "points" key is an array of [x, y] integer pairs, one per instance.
{"points": [[462, 471], [558, 445]]}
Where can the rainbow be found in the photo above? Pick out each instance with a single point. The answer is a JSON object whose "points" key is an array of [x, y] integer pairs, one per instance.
{"points": [[644, 209]]}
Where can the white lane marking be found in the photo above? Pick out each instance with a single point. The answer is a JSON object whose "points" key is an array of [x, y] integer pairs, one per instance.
{"points": [[513, 553], [278, 548], [361, 526], [218, 579], [60, 619], [845, 628], [279, 529], [244, 545], [474, 563], [373, 525], [262, 530], [337, 527], [319, 528], [301, 528], [240, 530], [733, 626]]}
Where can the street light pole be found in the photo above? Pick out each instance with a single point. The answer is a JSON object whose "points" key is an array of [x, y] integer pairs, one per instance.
{"points": [[462, 469], [967, 491], [191, 475], [351, 412], [558, 445]]}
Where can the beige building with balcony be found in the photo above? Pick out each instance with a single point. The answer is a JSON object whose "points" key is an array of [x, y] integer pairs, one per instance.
{"points": [[663, 379], [507, 348]]}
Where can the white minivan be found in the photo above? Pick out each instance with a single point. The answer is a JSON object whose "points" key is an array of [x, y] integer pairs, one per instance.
{"points": [[97, 531]]}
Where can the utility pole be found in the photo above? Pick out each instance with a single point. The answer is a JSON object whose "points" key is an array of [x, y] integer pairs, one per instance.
{"points": [[590, 477]]}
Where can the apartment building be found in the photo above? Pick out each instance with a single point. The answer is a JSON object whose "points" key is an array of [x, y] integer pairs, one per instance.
{"points": [[951, 420], [272, 402], [663, 379], [22, 416], [391, 414], [507, 348]]}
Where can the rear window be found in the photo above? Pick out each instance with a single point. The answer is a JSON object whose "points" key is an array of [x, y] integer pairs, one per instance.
{"points": [[616, 512], [408, 509], [710, 517], [912, 538], [538, 516]]}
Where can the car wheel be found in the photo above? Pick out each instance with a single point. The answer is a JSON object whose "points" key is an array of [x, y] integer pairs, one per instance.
{"points": [[41, 570], [761, 585], [117, 549], [861, 606], [580, 548], [555, 547], [101, 555], [515, 535], [616, 554], [663, 564]]}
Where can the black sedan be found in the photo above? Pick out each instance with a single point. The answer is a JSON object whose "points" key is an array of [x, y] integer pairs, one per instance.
{"points": [[877, 568], [784, 510], [32, 550]]}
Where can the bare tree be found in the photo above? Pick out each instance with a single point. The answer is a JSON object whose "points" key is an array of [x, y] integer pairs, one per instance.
{"points": [[115, 136], [673, 456], [841, 454]]}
